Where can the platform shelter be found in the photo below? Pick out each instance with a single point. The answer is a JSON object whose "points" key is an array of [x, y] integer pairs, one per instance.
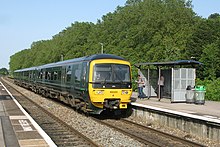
{"points": [[177, 76]]}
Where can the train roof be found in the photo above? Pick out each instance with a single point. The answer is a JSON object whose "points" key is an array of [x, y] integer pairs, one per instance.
{"points": [[26, 69], [86, 58], [66, 62], [104, 56]]}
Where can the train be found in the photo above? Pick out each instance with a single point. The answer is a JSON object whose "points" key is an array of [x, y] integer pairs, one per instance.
{"points": [[93, 84]]}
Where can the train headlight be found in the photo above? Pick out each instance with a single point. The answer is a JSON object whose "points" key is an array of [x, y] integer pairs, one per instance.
{"points": [[99, 92], [125, 92]]}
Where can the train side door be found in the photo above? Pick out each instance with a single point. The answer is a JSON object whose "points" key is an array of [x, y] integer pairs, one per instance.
{"points": [[79, 74], [68, 77], [63, 78], [76, 76], [84, 75], [84, 80]]}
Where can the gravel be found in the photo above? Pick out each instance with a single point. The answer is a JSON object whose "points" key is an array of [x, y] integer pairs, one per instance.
{"points": [[102, 135], [177, 132]]}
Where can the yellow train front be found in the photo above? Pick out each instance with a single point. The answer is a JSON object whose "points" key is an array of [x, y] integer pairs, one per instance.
{"points": [[110, 85]]}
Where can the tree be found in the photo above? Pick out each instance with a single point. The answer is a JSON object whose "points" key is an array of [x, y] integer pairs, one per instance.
{"points": [[206, 32], [4, 71], [142, 30], [211, 59]]}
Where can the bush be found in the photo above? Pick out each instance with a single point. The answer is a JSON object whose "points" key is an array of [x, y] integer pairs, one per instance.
{"points": [[212, 88]]}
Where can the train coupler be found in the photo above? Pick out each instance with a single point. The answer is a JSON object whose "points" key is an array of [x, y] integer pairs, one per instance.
{"points": [[112, 104]]}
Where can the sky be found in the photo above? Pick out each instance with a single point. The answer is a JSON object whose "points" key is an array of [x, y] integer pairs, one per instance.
{"points": [[23, 22]]}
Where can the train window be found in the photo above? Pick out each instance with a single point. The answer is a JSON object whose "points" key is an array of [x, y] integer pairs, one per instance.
{"points": [[41, 74], [49, 75], [38, 74], [26, 74], [84, 74], [55, 75], [102, 72], [59, 75], [46, 75], [111, 73], [77, 72], [77, 75], [29, 75], [121, 73], [52, 75], [68, 74]]}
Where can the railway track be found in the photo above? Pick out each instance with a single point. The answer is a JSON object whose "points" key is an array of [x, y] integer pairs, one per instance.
{"points": [[60, 132], [147, 135], [143, 134]]}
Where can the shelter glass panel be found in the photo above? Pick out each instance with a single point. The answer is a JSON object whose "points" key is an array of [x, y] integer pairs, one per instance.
{"points": [[176, 74], [183, 73], [176, 84], [191, 74], [183, 84]]}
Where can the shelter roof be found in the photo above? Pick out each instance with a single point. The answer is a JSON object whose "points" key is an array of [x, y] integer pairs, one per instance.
{"points": [[171, 63]]}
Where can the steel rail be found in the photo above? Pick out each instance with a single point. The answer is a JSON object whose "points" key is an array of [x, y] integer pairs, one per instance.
{"points": [[59, 131]]}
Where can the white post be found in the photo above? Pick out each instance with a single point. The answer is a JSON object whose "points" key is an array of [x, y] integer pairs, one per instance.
{"points": [[101, 48], [61, 57]]}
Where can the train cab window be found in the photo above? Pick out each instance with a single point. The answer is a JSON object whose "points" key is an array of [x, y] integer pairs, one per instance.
{"points": [[102, 72], [111, 73], [121, 73]]}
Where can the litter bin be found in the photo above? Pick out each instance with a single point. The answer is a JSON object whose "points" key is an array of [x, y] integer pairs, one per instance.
{"points": [[199, 95], [190, 94]]}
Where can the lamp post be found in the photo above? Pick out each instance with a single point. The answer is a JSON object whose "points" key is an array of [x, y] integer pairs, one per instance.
{"points": [[101, 47], [61, 56]]}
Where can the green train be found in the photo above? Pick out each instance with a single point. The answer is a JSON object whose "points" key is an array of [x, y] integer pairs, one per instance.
{"points": [[93, 84]]}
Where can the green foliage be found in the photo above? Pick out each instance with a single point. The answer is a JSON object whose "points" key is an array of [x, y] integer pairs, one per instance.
{"points": [[141, 31], [205, 34], [211, 59], [212, 88], [3, 71]]}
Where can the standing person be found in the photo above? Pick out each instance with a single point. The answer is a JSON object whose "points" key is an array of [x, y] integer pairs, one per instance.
{"points": [[140, 83], [161, 85]]}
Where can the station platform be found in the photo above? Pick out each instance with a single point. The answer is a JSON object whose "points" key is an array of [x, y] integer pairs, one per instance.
{"points": [[209, 111], [17, 128]]}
